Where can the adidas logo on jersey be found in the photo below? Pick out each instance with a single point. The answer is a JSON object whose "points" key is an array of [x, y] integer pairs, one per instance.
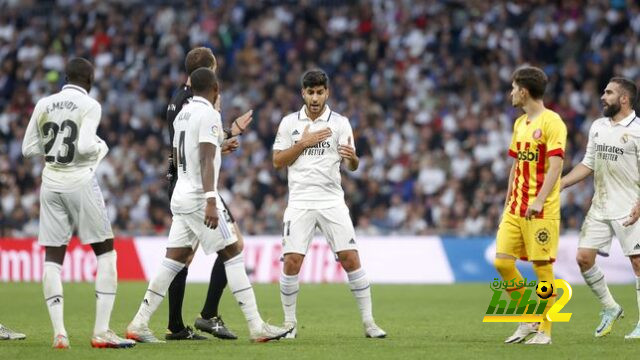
{"points": [[352, 242], [637, 247], [295, 132]]}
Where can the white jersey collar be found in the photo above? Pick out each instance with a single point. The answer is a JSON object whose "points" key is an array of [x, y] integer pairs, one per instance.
{"points": [[626, 121], [325, 116], [200, 99], [75, 87]]}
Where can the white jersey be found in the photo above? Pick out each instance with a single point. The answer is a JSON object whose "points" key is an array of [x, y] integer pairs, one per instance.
{"points": [[314, 178], [197, 122], [63, 129], [613, 153]]}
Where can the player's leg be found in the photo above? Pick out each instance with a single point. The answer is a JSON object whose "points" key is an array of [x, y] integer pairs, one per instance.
{"points": [[224, 241], [86, 205], [210, 321], [635, 263], [629, 237], [54, 234], [595, 237], [176, 329], [541, 243], [298, 228], [179, 249], [509, 247], [335, 223]]}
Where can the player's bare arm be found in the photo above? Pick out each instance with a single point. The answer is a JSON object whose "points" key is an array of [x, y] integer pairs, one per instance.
{"points": [[577, 174], [207, 152], [510, 186], [282, 158], [239, 125], [348, 154], [555, 168]]}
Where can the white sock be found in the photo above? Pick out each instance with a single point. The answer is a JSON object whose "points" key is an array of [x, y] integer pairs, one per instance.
{"points": [[157, 289], [243, 292], [638, 295], [106, 287], [361, 290], [289, 287], [52, 286], [595, 279]]}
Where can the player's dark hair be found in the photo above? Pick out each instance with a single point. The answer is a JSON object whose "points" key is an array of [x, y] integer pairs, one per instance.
{"points": [[628, 87], [198, 58], [533, 79], [79, 71], [203, 80], [313, 78]]}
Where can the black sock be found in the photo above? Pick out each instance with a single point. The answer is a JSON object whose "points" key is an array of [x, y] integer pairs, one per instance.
{"points": [[216, 287], [176, 295]]}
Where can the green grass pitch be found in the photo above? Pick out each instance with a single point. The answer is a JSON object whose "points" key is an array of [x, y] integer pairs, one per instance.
{"points": [[423, 321]]}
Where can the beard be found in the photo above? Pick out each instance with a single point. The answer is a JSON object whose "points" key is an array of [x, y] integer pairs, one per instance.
{"points": [[610, 110]]}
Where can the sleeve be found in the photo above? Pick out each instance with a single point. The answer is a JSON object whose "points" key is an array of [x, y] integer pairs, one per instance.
{"points": [[88, 143], [210, 129], [31, 144], [590, 154], [556, 137], [346, 134], [283, 139], [513, 151], [174, 139]]}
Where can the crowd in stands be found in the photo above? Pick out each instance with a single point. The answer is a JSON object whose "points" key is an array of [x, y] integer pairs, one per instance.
{"points": [[425, 85]]}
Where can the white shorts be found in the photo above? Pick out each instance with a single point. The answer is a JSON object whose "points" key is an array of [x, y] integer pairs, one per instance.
{"points": [[334, 223], [597, 234], [189, 230], [84, 209]]}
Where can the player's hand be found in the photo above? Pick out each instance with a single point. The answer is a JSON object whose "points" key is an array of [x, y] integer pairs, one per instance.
{"points": [[211, 214], [311, 138], [230, 145], [634, 216], [347, 151], [533, 210], [240, 124]]}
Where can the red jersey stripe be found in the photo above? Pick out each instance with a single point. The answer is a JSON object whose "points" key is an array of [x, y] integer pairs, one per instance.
{"points": [[516, 177], [526, 174], [542, 149], [556, 152]]}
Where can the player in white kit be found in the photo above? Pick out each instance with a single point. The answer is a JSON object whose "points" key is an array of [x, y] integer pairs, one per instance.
{"points": [[199, 218], [63, 129], [312, 143], [612, 156]]}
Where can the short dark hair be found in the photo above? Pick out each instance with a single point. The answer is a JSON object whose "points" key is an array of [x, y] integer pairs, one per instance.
{"points": [[203, 80], [533, 79], [315, 77], [198, 58], [627, 86], [79, 70]]}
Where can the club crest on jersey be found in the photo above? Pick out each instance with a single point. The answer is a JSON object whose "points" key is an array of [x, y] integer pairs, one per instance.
{"points": [[537, 134], [624, 138], [542, 236]]}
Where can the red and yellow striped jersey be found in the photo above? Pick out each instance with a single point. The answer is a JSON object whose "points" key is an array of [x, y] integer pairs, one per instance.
{"points": [[532, 143]]}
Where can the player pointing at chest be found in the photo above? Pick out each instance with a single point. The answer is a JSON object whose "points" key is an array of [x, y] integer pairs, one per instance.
{"points": [[312, 143]]}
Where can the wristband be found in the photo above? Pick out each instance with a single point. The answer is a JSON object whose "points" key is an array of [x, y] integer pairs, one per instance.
{"points": [[210, 194], [227, 133], [238, 125]]}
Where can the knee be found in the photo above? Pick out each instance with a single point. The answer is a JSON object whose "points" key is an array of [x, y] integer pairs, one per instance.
{"points": [[585, 261], [292, 263], [503, 265], [350, 260]]}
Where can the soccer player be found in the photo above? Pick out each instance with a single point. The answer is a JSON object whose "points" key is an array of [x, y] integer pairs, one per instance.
{"points": [[197, 218], [209, 320], [612, 157], [8, 334], [63, 129], [530, 223], [312, 143]]}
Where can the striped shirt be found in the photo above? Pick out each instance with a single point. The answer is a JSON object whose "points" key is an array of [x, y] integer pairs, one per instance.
{"points": [[532, 143]]}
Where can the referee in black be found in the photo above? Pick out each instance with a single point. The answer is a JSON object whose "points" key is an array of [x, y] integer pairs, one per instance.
{"points": [[209, 321]]}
